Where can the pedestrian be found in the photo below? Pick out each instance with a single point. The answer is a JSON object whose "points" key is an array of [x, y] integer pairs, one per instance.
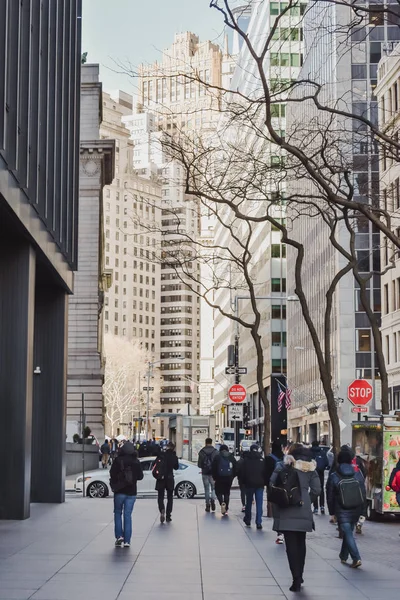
{"points": [[253, 476], [163, 471], [125, 472], [394, 480], [295, 521], [271, 461], [322, 463], [105, 454], [224, 472], [346, 496], [204, 462], [242, 488]]}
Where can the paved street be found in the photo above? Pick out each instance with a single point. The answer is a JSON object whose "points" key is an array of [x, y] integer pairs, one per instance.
{"points": [[65, 552]]}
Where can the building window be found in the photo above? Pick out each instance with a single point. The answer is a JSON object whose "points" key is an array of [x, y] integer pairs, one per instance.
{"points": [[363, 340]]}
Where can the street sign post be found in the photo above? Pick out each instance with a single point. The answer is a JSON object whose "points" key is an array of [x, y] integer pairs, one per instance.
{"points": [[237, 393], [235, 370], [360, 393], [235, 412]]}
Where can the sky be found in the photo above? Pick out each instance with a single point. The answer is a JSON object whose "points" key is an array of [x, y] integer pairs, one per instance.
{"points": [[138, 30]]}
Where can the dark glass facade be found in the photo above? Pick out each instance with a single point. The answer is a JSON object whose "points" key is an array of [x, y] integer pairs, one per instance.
{"points": [[40, 55]]}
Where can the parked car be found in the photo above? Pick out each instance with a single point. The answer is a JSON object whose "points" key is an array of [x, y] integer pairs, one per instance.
{"points": [[245, 445], [188, 481]]}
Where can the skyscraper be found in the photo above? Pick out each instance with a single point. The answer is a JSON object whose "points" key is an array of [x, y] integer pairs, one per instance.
{"points": [[345, 65], [177, 104]]}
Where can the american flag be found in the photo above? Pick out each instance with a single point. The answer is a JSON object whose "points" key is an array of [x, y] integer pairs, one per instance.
{"points": [[288, 401], [281, 396]]}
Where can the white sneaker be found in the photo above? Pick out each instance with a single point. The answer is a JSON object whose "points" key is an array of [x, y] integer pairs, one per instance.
{"points": [[119, 543], [279, 539], [223, 508], [126, 545]]}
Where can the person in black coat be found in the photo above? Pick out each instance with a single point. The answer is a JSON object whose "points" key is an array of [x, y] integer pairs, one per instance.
{"points": [[224, 469], [169, 464], [253, 477], [346, 518], [322, 462], [125, 472]]}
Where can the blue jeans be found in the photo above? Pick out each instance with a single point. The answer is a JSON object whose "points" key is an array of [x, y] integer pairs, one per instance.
{"points": [[209, 488], [125, 503], [258, 493], [349, 545]]}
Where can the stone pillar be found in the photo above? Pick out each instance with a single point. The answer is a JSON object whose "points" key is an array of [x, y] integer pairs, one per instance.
{"points": [[49, 395], [17, 289]]}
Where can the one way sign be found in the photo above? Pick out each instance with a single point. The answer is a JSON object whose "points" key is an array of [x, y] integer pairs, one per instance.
{"points": [[235, 412]]}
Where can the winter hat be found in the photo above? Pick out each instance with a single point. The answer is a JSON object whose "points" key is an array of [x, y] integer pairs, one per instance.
{"points": [[345, 456], [224, 447], [254, 448], [127, 448]]}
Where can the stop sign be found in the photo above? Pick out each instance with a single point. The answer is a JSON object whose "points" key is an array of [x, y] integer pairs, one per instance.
{"points": [[359, 392], [237, 393]]}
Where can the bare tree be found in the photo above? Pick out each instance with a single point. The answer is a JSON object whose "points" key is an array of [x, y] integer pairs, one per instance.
{"points": [[126, 364]]}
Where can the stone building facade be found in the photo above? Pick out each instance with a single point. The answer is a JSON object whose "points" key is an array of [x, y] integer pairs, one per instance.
{"points": [[85, 333]]}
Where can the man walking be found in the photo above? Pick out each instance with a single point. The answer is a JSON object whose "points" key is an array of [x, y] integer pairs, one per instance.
{"points": [[204, 462], [253, 476], [125, 472], [105, 454], [224, 472], [163, 471], [322, 462], [346, 496]]}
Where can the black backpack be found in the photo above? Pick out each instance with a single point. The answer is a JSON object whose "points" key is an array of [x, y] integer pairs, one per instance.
{"points": [[207, 463], [124, 479], [286, 490], [225, 466], [350, 493], [159, 469]]}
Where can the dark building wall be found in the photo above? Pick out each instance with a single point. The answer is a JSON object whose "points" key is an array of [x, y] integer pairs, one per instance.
{"points": [[40, 50], [40, 53]]}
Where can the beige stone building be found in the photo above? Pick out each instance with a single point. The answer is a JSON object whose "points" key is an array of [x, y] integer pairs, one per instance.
{"points": [[388, 94], [85, 332], [174, 100], [131, 213]]}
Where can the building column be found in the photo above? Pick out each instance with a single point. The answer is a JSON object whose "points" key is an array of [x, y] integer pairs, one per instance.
{"points": [[49, 395], [17, 300]]}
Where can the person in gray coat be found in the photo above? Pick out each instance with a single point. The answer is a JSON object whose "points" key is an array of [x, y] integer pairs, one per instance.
{"points": [[295, 521]]}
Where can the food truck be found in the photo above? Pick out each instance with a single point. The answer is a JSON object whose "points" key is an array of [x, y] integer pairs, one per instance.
{"points": [[377, 441]]}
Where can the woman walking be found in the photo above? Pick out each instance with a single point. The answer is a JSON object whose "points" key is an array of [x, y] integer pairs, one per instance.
{"points": [[295, 521]]}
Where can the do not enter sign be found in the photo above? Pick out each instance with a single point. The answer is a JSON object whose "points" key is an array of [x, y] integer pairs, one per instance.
{"points": [[360, 392], [237, 393]]}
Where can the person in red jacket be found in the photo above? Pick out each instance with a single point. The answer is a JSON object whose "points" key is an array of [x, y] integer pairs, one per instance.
{"points": [[394, 481]]}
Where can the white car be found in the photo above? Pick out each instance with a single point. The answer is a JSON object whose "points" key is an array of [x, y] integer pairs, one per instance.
{"points": [[188, 481]]}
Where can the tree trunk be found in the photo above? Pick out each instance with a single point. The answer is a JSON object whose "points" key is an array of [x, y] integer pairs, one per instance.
{"points": [[261, 390]]}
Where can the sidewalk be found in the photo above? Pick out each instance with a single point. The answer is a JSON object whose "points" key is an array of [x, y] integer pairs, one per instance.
{"points": [[65, 552]]}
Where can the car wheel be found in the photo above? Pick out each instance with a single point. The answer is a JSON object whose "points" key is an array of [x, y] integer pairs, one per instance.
{"points": [[97, 489], [185, 490]]}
